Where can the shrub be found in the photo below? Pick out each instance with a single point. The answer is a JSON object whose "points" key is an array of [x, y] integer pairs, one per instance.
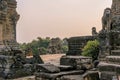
{"points": [[91, 49]]}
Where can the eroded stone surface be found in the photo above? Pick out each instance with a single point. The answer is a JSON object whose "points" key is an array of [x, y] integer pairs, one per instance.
{"points": [[8, 21], [77, 62], [76, 44], [91, 75], [72, 77], [54, 76], [109, 76], [48, 68]]}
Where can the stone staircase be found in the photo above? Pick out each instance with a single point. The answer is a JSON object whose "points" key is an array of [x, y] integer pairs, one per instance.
{"points": [[110, 69]]}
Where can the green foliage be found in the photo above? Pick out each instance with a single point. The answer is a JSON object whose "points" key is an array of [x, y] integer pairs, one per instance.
{"points": [[91, 49], [65, 48], [64, 45], [40, 46], [35, 45], [43, 50]]}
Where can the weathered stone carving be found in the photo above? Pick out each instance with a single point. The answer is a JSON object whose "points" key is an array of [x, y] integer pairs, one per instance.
{"points": [[110, 68], [102, 37], [8, 21], [115, 7], [94, 32], [13, 62], [106, 18], [3, 10], [114, 27], [3, 6]]}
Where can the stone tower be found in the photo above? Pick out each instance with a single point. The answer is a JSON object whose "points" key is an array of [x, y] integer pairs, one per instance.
{"points": [[110, 67], [116, 7], [114, 25], [8, 21]]}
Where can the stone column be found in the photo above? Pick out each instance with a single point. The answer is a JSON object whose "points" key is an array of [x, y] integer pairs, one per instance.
{"points": [[8, 21]]}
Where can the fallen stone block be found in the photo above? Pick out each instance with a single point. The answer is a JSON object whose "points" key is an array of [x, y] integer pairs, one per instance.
{"points": [[48, 68]]}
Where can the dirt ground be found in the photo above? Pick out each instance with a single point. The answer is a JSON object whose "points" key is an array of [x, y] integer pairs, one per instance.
{"points": [[52, 58]]}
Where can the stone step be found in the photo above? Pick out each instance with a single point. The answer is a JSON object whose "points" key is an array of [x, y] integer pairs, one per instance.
{"points": [[77, 62], [54, 76], [72, 77], [106, 75], [109, 67], [65, 68], [74, 60], [48, 68], [113, 59], [115, 52]]}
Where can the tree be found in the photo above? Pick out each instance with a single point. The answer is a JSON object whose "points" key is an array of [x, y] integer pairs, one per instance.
{"points": [[91, 49], [40, 45], [35, 45]]}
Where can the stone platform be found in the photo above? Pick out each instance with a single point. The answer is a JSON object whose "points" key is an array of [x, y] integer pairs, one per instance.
{"points": [[77, 62], [113, 59]]}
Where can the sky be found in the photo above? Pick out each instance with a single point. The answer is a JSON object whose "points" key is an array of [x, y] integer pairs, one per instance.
{"points": [[58, 18]]}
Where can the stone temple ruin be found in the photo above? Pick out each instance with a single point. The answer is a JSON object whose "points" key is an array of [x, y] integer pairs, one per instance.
{"points": [[13, 62], [109, 66], [111, 26], [8, 21], [55, 46], [73, 66]]}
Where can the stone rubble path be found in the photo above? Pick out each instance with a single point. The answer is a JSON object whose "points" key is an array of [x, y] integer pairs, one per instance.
{"points": [[50, 58]]}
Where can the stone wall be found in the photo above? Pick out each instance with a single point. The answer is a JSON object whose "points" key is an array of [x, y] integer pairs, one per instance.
{"points": [[76, 44]]}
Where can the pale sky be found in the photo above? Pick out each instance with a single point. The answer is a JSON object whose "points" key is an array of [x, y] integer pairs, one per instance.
{"points": [[58, 18]]}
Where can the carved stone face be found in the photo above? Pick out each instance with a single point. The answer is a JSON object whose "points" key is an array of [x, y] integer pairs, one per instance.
{"points": [[107, 11]]}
